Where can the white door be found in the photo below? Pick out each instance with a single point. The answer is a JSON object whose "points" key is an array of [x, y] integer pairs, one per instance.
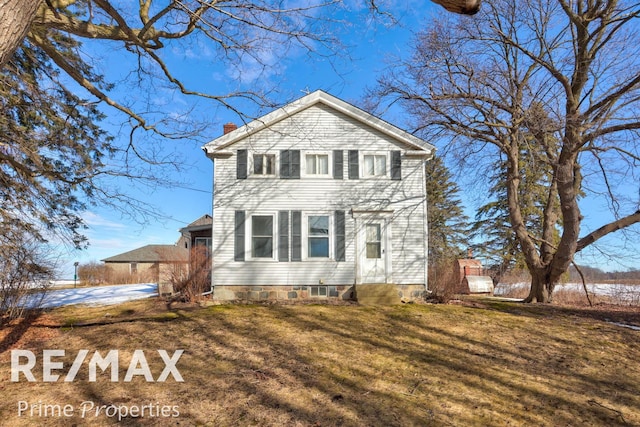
{"points": [[373, 253]]}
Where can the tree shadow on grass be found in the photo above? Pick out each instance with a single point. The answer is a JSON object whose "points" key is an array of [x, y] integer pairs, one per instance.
{"points": [[17, 328], [625, 314], [398, 366]]}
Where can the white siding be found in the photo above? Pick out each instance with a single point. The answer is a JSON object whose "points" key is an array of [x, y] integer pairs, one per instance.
{"points": [[319, 129]]}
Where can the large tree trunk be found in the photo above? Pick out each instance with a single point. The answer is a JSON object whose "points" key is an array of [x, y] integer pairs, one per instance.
{"points": [[15, 20], [541, 287]]}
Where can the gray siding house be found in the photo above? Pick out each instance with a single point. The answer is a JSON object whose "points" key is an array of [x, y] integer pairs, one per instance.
{"points": [[313, 200]]}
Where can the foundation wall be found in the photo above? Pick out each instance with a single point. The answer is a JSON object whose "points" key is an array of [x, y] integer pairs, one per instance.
{"points": [[320, 292]]}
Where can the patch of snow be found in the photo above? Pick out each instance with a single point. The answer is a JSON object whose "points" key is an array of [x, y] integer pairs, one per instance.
{"points": [[624, 325], [99, 295], [624, 293]]}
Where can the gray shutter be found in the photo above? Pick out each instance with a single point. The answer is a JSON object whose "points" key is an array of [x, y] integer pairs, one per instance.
{"points": [[283, 236], [338, 164], [396, 165], [296, 236], [241, 165], [354, 167], [290, 164], [239, 236], [294, 157], [284, 164], [340, 235]]}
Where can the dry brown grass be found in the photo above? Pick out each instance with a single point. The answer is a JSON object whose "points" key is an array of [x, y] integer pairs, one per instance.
{"points": [[484, 363]]}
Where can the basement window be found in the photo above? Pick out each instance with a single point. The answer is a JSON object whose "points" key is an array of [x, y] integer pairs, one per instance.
{"points": [[318, 291]]}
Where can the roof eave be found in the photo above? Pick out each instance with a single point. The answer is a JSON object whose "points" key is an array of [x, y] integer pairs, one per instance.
{"points": [[216, 148]]}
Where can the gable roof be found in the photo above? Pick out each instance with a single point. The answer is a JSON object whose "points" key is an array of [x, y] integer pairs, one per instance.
{"points": [[412, 142], [152, 253], [205, 222]]}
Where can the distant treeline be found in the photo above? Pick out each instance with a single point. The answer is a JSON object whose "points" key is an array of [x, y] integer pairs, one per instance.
{"points": [[592, 275]]}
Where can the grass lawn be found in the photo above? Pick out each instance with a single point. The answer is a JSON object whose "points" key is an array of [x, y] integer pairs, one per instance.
{"points": [[483, 363]]}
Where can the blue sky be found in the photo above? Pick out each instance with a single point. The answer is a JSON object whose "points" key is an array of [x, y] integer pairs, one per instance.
{"points": [[370, 45]]}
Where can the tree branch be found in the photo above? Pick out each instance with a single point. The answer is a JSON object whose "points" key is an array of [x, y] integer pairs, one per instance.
{"points": [[607, 229]]}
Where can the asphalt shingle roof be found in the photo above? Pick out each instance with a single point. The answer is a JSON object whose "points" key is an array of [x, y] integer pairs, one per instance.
{"points": [[152, 253]]}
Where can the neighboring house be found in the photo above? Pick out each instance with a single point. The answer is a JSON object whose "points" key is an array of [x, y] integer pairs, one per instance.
{"points": [[196, 238], [198, 234], [315, 198], [154, 263]]}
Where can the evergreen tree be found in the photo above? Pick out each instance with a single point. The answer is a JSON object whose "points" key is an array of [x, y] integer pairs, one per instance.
{"points": [[448, 229], [51, 147]]}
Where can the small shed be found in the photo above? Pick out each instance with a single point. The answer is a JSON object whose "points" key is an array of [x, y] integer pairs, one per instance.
{"points": [[471, 277]]}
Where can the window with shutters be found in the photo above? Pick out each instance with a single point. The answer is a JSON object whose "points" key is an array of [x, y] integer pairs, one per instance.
{"points": [[262, 233], [317, 165], [318, 236], [264, 164], [374, 165]]}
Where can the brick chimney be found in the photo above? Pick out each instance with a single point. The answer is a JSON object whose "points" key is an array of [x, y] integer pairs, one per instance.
{"points": [[229, 127]]}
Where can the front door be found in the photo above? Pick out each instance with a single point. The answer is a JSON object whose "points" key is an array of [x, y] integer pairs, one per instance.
{"points": [[373, 251]]}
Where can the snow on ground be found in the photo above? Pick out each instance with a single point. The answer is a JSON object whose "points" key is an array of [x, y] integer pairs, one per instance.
{"points": [[99, 295], [624, 293]]}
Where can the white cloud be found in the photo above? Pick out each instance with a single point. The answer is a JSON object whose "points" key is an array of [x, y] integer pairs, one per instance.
{"points": [[93, 220]]}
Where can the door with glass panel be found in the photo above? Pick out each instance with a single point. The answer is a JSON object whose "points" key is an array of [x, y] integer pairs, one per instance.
{"points": [[373, 254]]}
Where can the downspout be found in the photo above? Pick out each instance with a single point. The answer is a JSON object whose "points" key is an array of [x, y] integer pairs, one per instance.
{"points": [[426, 222], [213, 218]]}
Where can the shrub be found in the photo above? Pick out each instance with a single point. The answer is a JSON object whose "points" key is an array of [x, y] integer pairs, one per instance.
{"points": [[192, 284], [25, 276], [442, 282]]}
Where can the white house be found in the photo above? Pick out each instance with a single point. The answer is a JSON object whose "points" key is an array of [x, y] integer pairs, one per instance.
{"points": [[314, 199]]}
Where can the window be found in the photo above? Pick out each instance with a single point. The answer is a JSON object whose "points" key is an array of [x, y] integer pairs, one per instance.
{"points": [[318, 237], [203, 244], [317, 164], [133, 267], [374, 243], [318, 291], [262, 236], [375, 165], [264, 164]]}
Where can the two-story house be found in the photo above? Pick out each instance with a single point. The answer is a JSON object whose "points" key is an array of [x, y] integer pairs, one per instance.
{"points": [[314, 199]]}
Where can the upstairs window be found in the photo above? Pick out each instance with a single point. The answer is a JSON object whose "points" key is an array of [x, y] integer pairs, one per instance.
{"points": [[264, 164], [374, 165], [317, 164]]}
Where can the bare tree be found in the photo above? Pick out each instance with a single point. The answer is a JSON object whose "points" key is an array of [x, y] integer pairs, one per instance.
{"points": [[566, 72], [25, 274], [16, 17]]}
